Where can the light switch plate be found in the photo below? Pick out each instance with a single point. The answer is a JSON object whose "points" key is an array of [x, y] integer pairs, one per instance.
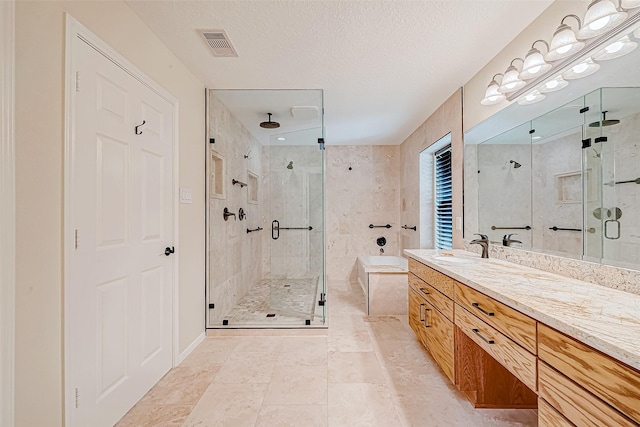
{"points": [[185, 195]]}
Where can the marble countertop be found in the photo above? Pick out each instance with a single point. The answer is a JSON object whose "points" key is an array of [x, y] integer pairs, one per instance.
{"points": [[603, 318]]}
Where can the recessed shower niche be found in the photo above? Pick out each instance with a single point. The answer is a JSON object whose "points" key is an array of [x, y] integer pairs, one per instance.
{"points": [[267, 270], [252, 188], [216, 175]]}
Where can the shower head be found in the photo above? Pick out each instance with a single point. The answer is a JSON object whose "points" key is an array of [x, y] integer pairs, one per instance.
{"points": [[290, 165], [604, 121], [269, 124], [516, 165]]}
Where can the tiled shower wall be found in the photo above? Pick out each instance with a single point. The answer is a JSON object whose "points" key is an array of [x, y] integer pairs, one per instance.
{"points": [[369, 193], [233, 256]]}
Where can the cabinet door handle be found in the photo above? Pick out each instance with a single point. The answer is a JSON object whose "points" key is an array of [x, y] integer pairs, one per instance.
{"points": [[421, 312], [426, 325], [488, 313], [488, 341], [424, 291]]}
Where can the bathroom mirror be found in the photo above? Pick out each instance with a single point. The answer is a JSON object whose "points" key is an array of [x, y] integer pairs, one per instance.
{"points": [[567, 182], [504, 190], [583, 201]]}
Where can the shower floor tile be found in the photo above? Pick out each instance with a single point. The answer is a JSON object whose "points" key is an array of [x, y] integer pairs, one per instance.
{"points": [[277, 301]]}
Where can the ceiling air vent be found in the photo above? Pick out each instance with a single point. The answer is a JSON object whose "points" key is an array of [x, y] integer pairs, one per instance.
{"points": [[219, 43]]}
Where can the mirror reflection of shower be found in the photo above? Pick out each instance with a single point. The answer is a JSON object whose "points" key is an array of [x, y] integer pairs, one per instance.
{"points": [[290, 165], [516, 165]]}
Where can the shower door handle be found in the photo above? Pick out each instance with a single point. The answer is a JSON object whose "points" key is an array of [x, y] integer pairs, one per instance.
{"points": [[614, 223], [275, 229]]}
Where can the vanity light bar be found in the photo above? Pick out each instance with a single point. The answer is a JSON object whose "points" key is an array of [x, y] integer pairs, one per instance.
{"points": [[598, 46]]}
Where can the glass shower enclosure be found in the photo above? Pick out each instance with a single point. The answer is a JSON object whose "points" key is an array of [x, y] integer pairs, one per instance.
{"points": [[265, 209]]}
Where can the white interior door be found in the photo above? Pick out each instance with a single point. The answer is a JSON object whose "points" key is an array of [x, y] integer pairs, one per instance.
{"points": [[120, 284]]}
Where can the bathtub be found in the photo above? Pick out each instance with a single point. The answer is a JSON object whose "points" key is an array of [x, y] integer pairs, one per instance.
{"points": [[384, 282]]}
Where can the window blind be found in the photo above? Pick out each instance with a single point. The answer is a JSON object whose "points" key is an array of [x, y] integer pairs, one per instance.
{"points": [[443, 205]]}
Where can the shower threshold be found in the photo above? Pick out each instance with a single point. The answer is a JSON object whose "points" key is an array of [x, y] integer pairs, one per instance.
{"points": [[278, 303]]}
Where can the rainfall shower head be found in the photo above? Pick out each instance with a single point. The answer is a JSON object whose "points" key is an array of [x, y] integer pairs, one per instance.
{"points": [[269, 124], [516, 165], [604, 121], [290, 165]]}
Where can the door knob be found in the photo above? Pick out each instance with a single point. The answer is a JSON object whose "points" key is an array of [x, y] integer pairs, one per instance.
{"points": [[169, 250]]}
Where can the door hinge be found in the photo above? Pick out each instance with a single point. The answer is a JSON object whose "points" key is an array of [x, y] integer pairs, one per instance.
{"points": [[75, 238], [584, 110], [77, 81], [77, 398]]}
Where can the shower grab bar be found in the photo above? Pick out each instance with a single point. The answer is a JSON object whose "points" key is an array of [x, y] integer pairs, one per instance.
{"points": [[296, 228], [526, 227], [635, 181], [589, 230], [414, 228], [241, 184], [379, 226], [255, 229]]}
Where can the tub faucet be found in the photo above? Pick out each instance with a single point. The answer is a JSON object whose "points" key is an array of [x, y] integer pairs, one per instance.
{"points": [[381, 251], [484, 242], [508, 241]]}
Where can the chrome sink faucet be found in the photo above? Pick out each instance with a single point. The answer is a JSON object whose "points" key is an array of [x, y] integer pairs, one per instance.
{"points": [[507, 240], [484, 242]]}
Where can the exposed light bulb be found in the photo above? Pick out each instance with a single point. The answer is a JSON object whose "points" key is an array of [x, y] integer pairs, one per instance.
{"points": [[584, 69], [616, 49], [531, 98], [600, 23], [554, 85], [580, 68]]}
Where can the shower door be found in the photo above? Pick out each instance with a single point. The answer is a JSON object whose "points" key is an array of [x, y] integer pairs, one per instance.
{"points": [[294, 248], [265, 209]]}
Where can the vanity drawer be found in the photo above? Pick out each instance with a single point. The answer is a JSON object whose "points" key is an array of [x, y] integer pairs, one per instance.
{"points": [[417, 306], [436, 279], [516, 359], [512, 323], [433, 296], [575, 403], [440, 342], [616, 384], [549, 417]]}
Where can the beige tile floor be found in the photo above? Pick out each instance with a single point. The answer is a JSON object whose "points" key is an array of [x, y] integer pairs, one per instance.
{"points": [[362, 372]]}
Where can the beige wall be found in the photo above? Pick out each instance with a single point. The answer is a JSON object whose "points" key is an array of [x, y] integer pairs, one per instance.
{"points": [[369, 193], [543, 28], [447, 118], [40, 40]]}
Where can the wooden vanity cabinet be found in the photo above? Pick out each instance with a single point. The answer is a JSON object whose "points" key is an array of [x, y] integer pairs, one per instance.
{"points": [[502, 358], [431, 317], [497, 365], [586, 386]]}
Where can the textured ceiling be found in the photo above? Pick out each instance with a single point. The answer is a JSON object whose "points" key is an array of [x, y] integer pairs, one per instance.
{"points": [[384, 66]]}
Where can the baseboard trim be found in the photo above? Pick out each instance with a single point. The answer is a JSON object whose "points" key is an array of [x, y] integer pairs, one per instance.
{"points": [[190, 348]]}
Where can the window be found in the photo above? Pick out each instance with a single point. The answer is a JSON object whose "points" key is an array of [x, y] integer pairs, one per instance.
{"points": [[443, 203]]}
